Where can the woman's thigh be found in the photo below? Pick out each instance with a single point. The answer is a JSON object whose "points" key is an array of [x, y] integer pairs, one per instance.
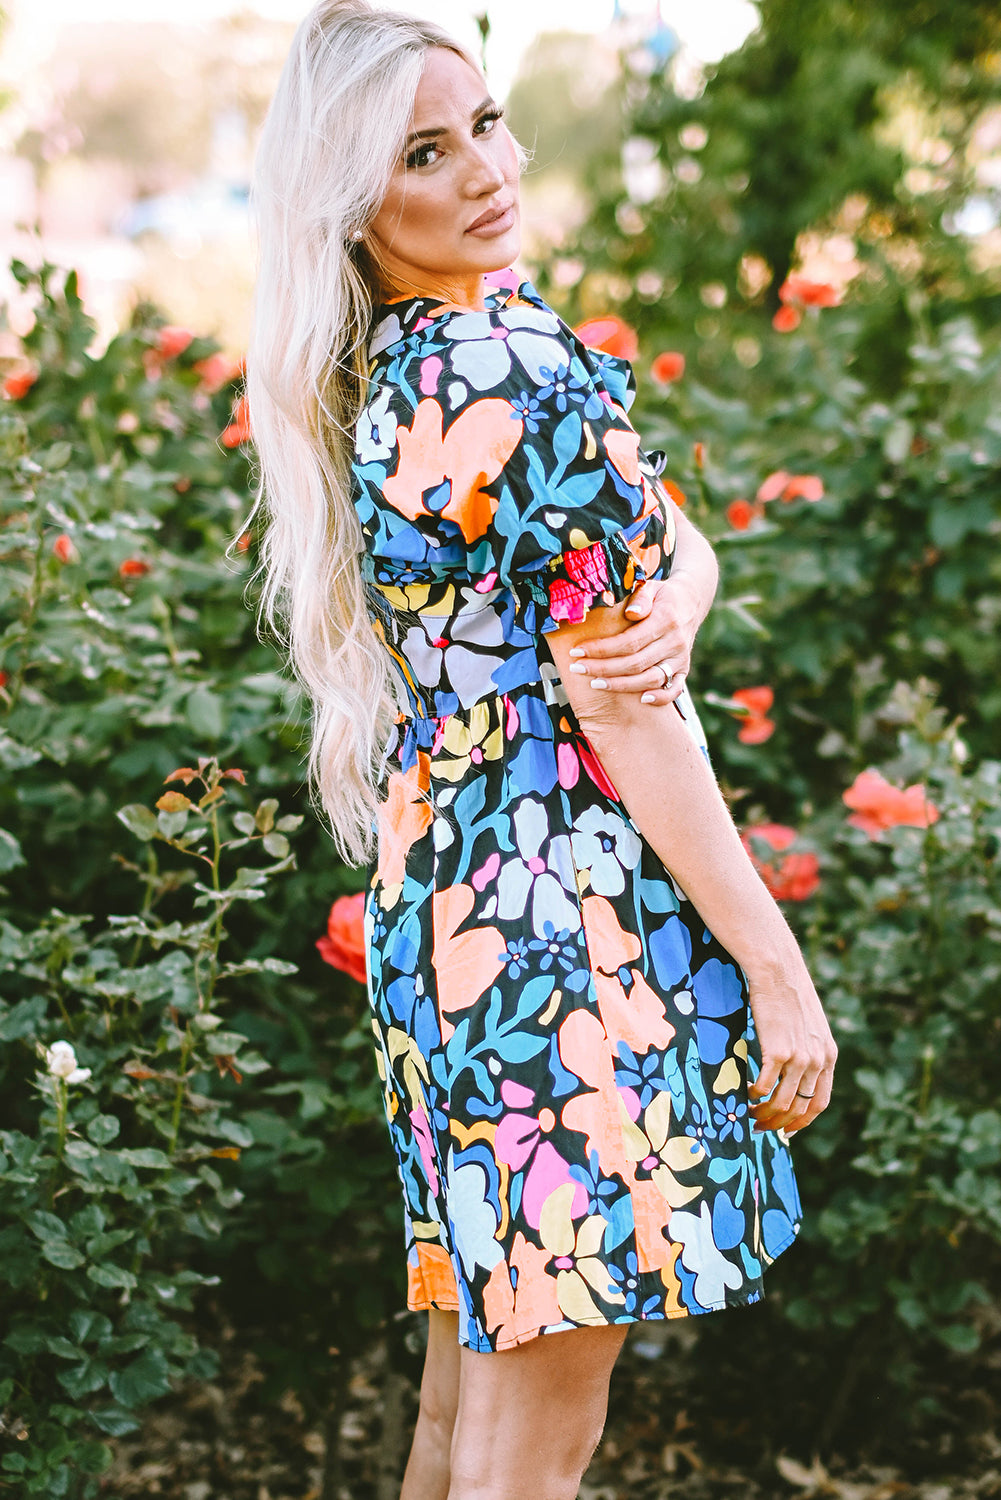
{"points": [[529, 1418]]}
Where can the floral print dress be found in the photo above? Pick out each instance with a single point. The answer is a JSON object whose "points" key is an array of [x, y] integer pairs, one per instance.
{"points": [[565, 1048]]}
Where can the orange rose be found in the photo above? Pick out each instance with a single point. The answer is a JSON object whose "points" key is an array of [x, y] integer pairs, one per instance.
{"points": [[740, 514], [18, 384], [238, 430], [344, 945], [787, 319], [170, 342], [798, 289], [667, 367], [756, 727], [133, 567], [878, 805], [64, 549], [793, 878], [610, 334]]}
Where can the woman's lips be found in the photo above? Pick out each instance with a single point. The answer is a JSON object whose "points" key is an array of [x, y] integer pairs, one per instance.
{"points": [[493, 222]]}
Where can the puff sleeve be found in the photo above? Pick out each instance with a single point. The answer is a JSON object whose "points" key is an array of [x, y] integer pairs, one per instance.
{"points": [[495, 446]]}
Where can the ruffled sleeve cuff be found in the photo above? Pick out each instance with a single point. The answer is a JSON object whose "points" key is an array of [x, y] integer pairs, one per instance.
{"points": [[566, 587]]}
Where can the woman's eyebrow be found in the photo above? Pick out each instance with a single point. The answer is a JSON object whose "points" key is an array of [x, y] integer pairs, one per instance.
{"points": [[435, 130]]}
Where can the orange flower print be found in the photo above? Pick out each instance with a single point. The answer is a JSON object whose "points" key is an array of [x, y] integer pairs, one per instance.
{"points": [[469, 456]]}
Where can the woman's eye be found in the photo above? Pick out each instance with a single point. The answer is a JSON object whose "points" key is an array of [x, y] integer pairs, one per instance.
{"points": [[486, 122], [421, 155]]}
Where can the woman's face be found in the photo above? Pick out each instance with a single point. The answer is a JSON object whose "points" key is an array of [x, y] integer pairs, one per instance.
{"points": [[451, 212]]}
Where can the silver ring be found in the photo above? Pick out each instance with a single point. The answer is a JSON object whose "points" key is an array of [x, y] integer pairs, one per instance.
{"points": [[668, 676], [800, 1095]]}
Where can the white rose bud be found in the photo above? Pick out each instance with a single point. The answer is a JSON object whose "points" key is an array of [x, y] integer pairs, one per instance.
{"points": [[60, 1059]]}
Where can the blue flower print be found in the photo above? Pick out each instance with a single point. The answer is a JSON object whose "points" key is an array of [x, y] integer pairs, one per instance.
{"points": [[700, 1127], [626, 1279], [565, 387], [529, 410], [729, 1112], [601, 1190], [646, 1079], [516, 957], [563, 949]]}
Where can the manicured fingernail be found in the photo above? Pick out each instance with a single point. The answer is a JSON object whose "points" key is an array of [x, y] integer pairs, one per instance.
{"points": [[578, 666], [648, 698], [576, 650], [598, 682]]}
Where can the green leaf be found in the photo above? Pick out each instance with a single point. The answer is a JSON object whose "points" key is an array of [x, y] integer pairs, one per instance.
{"points": [[244, 823], [206, 713], [265, 814], [144, 1156], [46, 1226], [276, 844], [138, 820], [23, 1020], [141, 1381], [289, 823], [62, 1254], [102, 1129], [114, 1420], [112, 1276], [10, 852]]}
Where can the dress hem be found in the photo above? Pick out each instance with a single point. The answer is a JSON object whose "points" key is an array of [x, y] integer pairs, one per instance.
{"points": [[748, 1298]]}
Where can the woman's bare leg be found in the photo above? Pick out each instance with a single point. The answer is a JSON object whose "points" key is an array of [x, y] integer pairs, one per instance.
{"points": [[427, 1475], [530, 1418]]}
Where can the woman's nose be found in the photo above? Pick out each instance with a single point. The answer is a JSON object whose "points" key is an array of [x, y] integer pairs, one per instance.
{"points": [[485, 174]]}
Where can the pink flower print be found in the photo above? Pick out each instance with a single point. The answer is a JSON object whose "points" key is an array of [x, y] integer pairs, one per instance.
{"points": [[566, 601], [430, 372], [520, 1145], [422, 1135], [588, 568]]}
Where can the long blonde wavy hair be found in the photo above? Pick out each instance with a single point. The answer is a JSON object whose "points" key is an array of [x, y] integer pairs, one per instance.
{"points": [[334, 132]]}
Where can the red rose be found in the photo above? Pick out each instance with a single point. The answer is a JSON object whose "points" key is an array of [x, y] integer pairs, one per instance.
{"points": [[64, 549], [133, 567], [793, 878]]}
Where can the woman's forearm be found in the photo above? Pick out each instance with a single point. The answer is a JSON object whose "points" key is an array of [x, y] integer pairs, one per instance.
{"points": [[670, 793]]}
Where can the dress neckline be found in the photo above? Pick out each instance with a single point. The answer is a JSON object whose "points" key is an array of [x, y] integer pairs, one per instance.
{"points": [[501, 289]]}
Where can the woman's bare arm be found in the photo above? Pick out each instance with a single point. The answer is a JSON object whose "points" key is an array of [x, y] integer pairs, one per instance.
{"points": [[665, 616], [669, 791]]}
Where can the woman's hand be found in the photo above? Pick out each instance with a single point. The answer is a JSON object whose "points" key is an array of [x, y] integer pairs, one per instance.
{"points": [[667, 614], [798, 1052]]}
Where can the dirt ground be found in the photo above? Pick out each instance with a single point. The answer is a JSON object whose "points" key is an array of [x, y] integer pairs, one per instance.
{"points": [[221, 1441]]}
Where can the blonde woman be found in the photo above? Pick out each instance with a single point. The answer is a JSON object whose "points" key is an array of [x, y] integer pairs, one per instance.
{"points": [[595, 1029]]}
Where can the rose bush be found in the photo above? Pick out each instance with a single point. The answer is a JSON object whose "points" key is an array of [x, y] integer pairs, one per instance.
{"points": [[127, 651]]}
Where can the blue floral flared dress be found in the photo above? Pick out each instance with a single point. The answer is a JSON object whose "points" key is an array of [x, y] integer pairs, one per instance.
{"points": [[565, 1048]]}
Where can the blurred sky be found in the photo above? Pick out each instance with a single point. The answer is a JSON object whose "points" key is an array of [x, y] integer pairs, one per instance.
{"points": [[708, 28]]}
